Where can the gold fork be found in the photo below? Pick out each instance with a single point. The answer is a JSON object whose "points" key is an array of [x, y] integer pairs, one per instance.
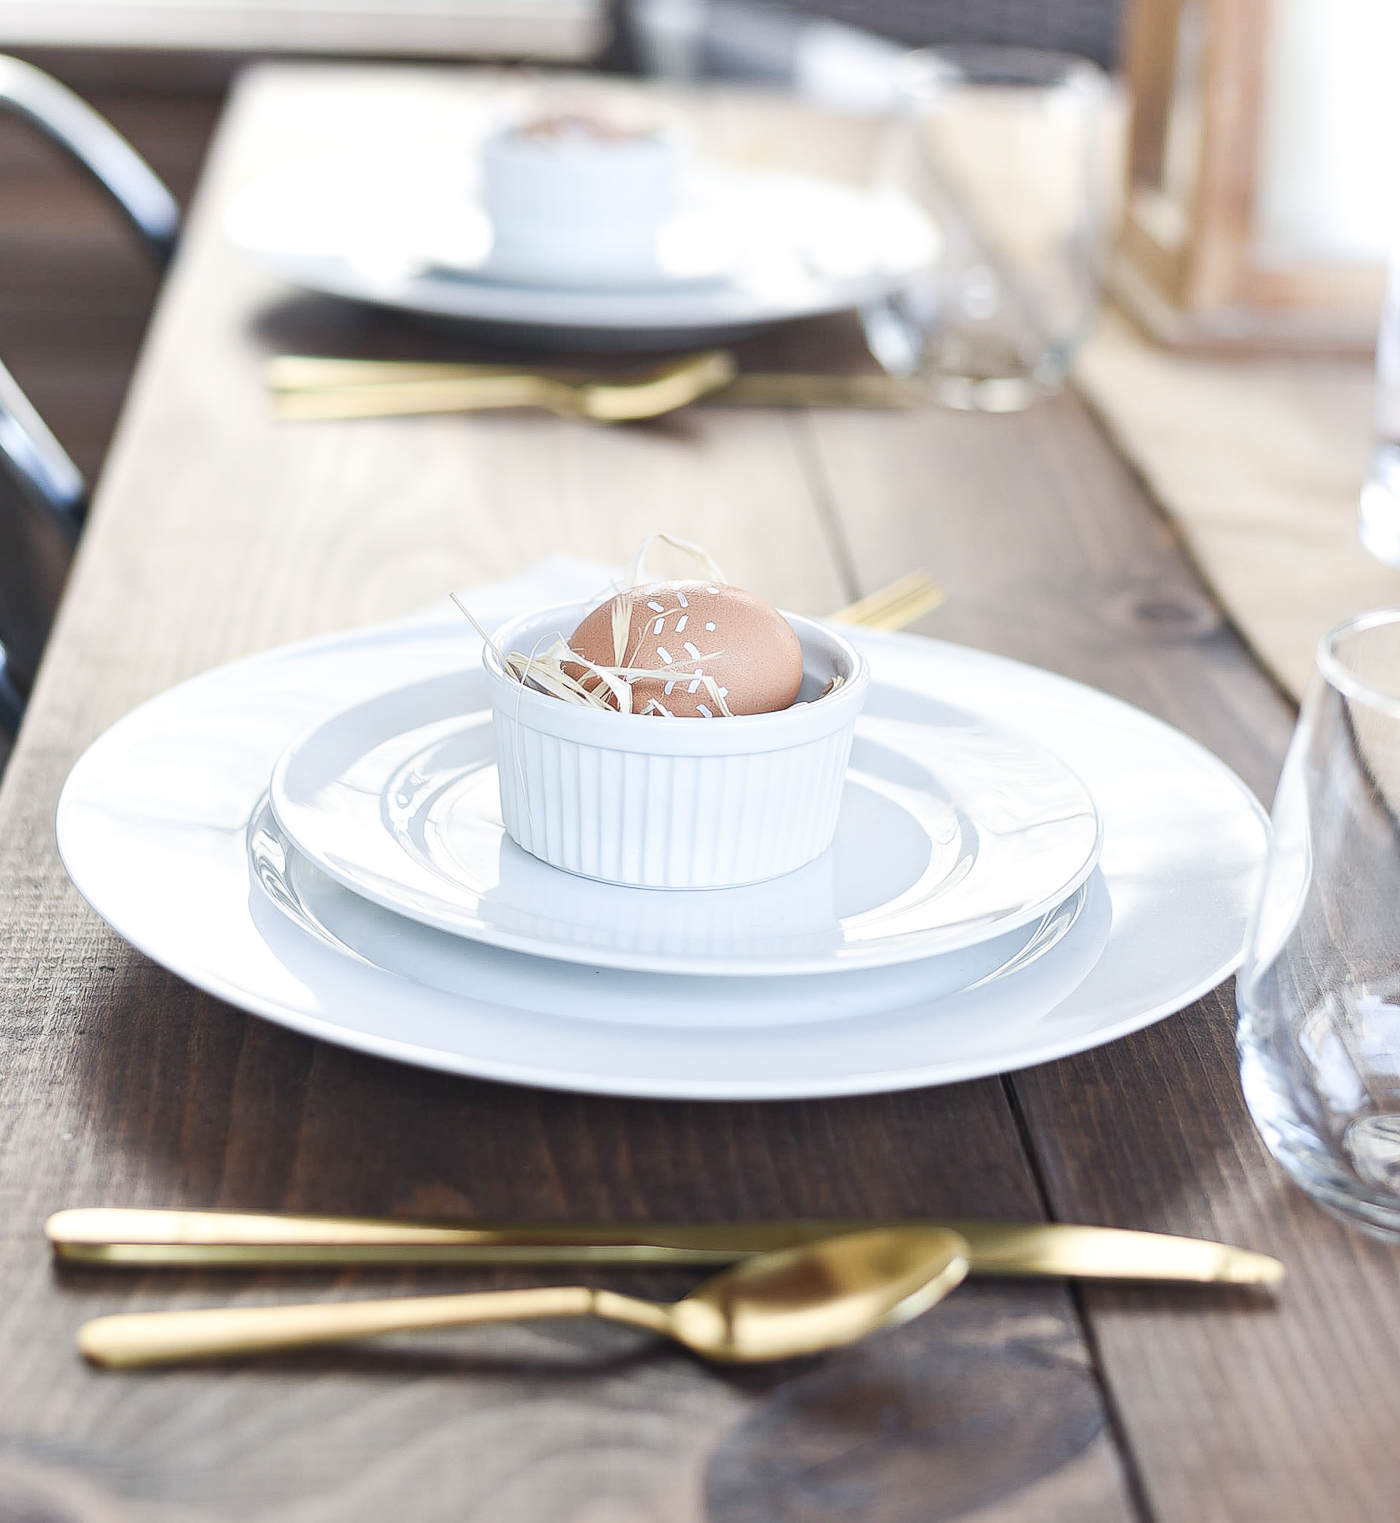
{"points": [[427, 389], [310, 386]]}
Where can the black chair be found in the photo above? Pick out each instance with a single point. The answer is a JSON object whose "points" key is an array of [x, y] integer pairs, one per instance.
{"points": [[11, 699], [43, 497], [760, 39]]}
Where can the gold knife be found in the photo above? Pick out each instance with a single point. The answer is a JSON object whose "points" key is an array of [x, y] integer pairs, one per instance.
{"points": [[236, 1240]]}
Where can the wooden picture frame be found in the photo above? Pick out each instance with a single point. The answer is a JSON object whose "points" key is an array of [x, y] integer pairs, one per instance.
{"points": [[1188, 265]]}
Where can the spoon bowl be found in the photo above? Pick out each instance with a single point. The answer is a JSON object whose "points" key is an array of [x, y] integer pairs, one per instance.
{"points": [[804, 1300]]}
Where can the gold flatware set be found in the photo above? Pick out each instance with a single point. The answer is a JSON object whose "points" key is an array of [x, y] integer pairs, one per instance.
{"points": [[792, 1287], [307, 387], [776, 1305]]}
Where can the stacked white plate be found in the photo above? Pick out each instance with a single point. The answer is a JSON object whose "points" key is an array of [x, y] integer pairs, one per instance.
{"points": [[745, 247], [1024, 868]]}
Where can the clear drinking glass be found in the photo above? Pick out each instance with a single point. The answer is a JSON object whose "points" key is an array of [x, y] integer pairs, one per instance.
{"points": [[1380, 497], [1319, 992], [1010, 150]]}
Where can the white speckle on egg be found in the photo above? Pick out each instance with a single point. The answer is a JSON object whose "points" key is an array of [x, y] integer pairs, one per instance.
{"points": [[655, 606], [664, 654], [710, 627], [694, 653]]}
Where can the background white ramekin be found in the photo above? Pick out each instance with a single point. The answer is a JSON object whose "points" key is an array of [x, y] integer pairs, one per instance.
{"points": [[571, 211], [673, 803]]}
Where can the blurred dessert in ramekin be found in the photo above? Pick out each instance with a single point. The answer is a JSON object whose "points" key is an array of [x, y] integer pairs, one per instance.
{"points": [[577, 194]]}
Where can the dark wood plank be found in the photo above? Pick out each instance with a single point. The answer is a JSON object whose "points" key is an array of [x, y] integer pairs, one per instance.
{"points": [[1050, 552], [217, 532]]}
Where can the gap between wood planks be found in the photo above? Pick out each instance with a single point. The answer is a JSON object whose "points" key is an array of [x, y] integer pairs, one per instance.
{"points": [[1113, 1416]]}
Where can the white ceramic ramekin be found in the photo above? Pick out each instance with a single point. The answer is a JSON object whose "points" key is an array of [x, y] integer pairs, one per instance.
{"points": [[656, 802], [575, 211]]}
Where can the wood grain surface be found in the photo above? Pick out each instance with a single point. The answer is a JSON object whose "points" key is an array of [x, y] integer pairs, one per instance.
{"points": [[217, 533], [1230, 1410]]}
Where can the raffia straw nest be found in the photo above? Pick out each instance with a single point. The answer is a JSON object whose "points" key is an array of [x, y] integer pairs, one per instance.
{"points": [[610, 687]]}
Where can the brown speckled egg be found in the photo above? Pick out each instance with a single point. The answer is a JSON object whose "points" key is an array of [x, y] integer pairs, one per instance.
{"points": [[693, 629]]}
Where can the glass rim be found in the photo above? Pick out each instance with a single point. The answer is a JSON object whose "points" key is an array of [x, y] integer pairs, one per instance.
{"points": [[1340, 677]]}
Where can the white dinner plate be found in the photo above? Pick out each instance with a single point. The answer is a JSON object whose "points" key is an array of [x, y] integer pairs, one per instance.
{"points": [[953, 830], [383, 940], [747, 247], [153, 826]]}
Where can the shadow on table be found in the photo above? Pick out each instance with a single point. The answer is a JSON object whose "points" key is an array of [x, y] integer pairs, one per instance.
{"points": [[321, 325], [988, 1394]]}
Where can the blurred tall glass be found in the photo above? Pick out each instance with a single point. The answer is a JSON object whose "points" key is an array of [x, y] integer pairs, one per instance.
{"points": [[1319, 992], [1380, 497], [1011, 152]]}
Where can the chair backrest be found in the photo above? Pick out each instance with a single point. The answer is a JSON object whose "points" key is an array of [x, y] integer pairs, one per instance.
{"points": [[11, 702], [97, 147], [43, 497], [42, 501]]}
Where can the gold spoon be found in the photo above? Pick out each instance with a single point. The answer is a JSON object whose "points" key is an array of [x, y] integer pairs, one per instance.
{"points": [[771, 1306], [665, 391]]}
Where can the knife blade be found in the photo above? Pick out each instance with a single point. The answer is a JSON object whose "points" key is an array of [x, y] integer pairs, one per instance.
{"points": [[237, 1240]]}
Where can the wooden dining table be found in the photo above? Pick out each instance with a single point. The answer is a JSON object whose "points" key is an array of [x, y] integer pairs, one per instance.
{"points": [[217, 532]]}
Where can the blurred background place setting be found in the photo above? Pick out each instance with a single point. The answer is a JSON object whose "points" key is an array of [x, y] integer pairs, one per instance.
{"points": [[698, 760]]}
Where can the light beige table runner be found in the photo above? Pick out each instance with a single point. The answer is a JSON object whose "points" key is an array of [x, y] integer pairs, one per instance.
{"points": [[1259, 463]]}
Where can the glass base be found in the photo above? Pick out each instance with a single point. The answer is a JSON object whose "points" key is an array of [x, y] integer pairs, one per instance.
{"points": [[1007, 393], [1371, 1142], [970, 366], [983, 371]]}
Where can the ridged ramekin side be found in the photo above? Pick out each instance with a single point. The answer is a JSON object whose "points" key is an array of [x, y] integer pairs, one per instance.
{"points": [[669, 821]]}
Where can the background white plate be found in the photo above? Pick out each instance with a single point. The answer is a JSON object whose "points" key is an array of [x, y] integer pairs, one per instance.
{"points": [[153, 823], [953, 830], [765, 245]]}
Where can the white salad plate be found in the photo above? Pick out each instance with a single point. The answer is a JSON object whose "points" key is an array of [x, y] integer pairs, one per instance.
{"points": [[361, 929], [157, 826], [746, 247], [952, 831]]}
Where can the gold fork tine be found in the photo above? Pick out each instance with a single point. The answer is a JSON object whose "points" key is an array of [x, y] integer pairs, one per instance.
{"points": [[674, 388], [894, 606], [916, 589]]}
